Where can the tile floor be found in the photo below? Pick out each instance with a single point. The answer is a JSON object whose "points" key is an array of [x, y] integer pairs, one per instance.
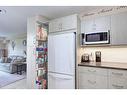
{"points": [[21, 84]]}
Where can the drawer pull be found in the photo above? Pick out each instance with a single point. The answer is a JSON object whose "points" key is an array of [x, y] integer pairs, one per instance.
{"points": [[118, 74], [117, 86], [92, 82], [92, 71]]}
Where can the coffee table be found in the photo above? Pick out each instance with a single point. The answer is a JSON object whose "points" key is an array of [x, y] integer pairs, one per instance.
{"points": [[20, 67]]}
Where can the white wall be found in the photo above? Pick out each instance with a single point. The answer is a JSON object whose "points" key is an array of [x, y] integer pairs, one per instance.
{"points": [[19, 48], [109, 54], [2, 46]]}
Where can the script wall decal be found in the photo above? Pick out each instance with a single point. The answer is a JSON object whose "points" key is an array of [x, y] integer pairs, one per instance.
{"points": [[105, 11]]}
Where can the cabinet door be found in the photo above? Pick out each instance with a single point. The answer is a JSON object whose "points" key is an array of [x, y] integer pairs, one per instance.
{"points": [[92, 81], [55, 25], [119, 29], [92, 78], [86, 81], [97, 24], [88, 25], [69, 22], [117, 83], [117, 79], [102, 23]]}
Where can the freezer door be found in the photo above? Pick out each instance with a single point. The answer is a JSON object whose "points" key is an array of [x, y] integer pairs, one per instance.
{"points": [[59, 81], [62, 53]]}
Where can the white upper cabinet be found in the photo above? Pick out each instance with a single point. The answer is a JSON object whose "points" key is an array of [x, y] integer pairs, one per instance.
{"points": [[102, 23], [63, 23], [87, 25], [96, 24], [69, 22], [119, 29], [55, 25]]}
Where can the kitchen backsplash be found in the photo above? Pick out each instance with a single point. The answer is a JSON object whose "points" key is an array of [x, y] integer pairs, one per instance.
{"points": [[109, 54]]}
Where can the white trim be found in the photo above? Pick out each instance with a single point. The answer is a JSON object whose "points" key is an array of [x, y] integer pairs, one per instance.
{"points": [[98, 42], [93, 32], [62, 32]]}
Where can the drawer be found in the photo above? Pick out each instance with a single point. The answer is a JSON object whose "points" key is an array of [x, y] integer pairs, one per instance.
{"points": [[92, 82], [117, 83], [117, 73], [93, 70]]}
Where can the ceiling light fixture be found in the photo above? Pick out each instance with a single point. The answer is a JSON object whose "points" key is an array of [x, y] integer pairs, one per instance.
{"points": [[2, 11]]}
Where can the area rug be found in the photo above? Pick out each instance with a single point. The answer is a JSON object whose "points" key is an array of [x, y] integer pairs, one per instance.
{"points": [[7, 78]]}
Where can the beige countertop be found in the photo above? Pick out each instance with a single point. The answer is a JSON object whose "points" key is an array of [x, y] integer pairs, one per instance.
{"points": [[110, 65]]}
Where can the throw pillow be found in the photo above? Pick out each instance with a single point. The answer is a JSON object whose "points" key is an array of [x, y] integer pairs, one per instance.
{"points": [[17, 61]]}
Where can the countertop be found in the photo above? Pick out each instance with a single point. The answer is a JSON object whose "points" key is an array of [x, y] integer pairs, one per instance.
{"points": [[110, 65]]}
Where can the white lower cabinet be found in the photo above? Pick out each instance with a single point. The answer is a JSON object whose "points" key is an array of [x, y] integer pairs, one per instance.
{"points": [[117, 83], [93, 82], [117, 79], [92, 78], [100, 78]]}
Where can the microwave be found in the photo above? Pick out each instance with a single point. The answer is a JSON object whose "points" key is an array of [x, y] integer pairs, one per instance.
{"points": [[98, 37]]}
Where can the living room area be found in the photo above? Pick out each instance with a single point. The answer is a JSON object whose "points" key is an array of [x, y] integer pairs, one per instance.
{"points": [[12, 59], [13, 48]]}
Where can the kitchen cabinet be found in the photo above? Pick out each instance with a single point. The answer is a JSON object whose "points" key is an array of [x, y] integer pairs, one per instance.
{"points": [[103, 23], [119, 29], [87, 25], [55, 25], [69, 22], [101, 78], [117, 79], [92, 78], [63, 23], [96, 24]]}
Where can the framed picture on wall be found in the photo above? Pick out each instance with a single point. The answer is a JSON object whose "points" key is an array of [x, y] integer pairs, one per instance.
{"points": [[13, 44], [24, 42]]}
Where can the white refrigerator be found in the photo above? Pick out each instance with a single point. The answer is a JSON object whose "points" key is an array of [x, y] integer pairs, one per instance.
{"points": [[61, 61]]}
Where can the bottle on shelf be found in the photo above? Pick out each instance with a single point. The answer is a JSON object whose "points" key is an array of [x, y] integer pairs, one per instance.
{"points": [[41, 56]]}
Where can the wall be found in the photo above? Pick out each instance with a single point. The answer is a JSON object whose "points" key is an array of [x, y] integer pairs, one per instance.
{"points": [[102, 12], [109, 54], [2, 46], [19, 48]]}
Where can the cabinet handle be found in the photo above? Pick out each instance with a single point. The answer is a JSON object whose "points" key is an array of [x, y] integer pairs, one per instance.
{"points": [[117, 86], [60, 26], [118, 74], [92, 82], [92, 71]]}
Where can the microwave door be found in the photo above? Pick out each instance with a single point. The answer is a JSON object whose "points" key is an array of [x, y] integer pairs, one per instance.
{"points": [[97, 38]]}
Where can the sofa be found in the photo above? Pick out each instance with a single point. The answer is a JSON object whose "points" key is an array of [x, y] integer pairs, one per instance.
{"points": [[8, 65]]}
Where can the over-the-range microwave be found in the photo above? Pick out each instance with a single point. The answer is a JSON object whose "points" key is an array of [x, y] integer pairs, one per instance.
{"points": [[93, 38]]}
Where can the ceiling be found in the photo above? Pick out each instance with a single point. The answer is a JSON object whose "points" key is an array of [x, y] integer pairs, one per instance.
{"points": [[14, 21]]}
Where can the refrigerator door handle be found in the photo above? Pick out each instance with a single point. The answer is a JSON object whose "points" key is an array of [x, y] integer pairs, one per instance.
{"points": [[59, 77]]}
